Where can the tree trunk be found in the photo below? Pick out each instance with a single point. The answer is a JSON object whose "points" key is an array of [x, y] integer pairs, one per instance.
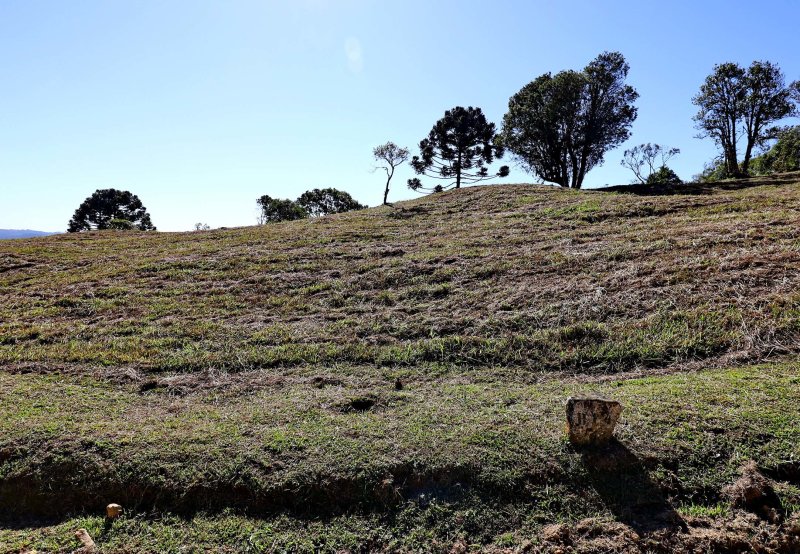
{"points": [[748, 153], [733, 163], [746, 162], [753, 128], [386, 192], [564, 175], [573, 158], [581, 171], [733, 168], [458, 172]]}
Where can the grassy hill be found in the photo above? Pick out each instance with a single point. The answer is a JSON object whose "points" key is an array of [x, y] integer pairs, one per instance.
{"points": [[395, 378]]}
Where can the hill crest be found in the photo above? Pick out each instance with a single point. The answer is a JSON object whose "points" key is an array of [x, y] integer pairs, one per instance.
{"points": [[523, 276]]}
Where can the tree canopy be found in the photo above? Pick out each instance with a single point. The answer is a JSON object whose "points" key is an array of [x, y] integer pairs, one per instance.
{"points": [[457, 150], [784, 155], [276, 209], [560, 126], [314, 203], [389, 156], [110, 209], [327, 201], [735, 103]]}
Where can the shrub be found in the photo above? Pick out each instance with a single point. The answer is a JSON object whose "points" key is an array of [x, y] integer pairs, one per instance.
{"points": [[664, 176], [120, 224], [276, 209]]}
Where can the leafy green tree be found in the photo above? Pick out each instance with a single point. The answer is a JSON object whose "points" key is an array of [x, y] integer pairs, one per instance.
{"points": [[328, 201], [560, 126], [107, 208], [735, 103], [720, 102], [276, 209], [457, 150], [784, 155], [646, 159], [664, 176], [389, 156]]}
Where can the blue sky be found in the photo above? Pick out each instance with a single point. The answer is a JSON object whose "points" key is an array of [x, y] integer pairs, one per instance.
{"points": [[201, 106]]}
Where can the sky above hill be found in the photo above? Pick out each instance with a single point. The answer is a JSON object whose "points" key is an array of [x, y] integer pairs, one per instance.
{"points": [[200, 106]]}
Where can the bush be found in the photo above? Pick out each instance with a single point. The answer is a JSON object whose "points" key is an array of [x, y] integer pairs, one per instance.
{"points": [[314, 203], [783, 156], [276, 209], [713, 172], [120, 225], [664, 176], [328, 201]]}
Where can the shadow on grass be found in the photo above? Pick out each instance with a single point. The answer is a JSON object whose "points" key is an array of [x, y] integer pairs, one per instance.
{"points": [[705, 188], [622, 481]]}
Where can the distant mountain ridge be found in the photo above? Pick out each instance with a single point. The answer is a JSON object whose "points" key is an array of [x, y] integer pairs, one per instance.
{"points": [[22, 233]]}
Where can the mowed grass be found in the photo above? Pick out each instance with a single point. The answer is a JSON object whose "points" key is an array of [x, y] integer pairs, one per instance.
{"points": [[438, 461], [395, 378], [520, 276]]}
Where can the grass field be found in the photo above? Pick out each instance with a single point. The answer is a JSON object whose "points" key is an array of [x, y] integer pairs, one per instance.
{"points": [[395, 378]]}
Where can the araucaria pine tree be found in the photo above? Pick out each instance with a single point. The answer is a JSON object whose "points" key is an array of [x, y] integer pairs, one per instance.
{"points": [[457, 151]]}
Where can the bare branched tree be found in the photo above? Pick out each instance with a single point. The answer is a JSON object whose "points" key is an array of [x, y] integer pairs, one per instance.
{"points": [[389, 156], [647, 157]]}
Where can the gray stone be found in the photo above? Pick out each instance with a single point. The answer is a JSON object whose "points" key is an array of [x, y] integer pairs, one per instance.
{"points": [[591, 419]]}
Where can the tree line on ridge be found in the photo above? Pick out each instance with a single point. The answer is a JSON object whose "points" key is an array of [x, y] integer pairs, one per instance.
{"points": [[557, 128]]}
